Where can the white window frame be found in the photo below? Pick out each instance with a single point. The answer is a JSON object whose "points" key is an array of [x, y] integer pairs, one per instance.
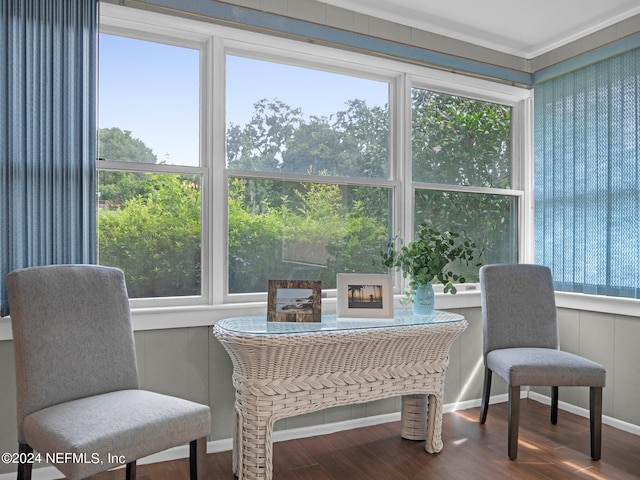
{"points": [[123, 28], [332, 65], [214, 41], [521, 165]]}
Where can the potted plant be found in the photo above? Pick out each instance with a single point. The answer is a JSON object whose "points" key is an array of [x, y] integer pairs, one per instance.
{"points": [[430, 256]]}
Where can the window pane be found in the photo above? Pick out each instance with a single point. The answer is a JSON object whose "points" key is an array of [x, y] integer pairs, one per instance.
{"points": [[292, 230], [299, 120], [489, 220], [460, 141], [149, 102], [149, 226]]}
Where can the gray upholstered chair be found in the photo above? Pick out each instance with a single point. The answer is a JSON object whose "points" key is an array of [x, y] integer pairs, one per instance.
{"points": [[521, 345], [77, 380]]}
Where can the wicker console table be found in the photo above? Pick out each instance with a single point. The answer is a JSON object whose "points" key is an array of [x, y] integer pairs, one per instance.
{"points": [[286, 369]]}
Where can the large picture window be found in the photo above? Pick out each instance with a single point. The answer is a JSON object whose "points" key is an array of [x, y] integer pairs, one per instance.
{"points": [[229, 158]]}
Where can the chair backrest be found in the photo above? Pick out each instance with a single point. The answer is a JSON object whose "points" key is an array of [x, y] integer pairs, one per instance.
{"points": [[518, 307], [72, 334]]}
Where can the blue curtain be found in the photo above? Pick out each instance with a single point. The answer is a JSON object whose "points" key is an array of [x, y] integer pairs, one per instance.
{"points": [[587, 177], [48, 58]]}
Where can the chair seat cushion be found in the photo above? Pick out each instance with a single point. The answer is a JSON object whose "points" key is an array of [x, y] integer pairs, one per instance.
{"points": [[544, 367], [127, 423]]}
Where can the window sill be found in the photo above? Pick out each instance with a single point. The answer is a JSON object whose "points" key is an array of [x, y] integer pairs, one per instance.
{"points": [[207, 315], [5, 328], [158, 318], [598, 303]]}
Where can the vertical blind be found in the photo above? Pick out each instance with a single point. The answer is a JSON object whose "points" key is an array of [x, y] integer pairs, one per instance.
{"points": [[47, 134], [587, 177]]}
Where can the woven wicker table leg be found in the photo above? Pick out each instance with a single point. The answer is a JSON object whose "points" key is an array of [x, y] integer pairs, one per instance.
{"points": [[255, 448], [413, 417], [237, 429], [433, 442]]}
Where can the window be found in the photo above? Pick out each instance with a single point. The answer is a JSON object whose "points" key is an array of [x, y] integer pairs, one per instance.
{"points": [[149, 226], [230, 158], [149, 175], [308, 167], [462, 171]]}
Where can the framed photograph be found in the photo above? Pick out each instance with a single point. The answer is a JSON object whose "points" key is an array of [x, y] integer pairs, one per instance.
{"points": [[294, 301], [364, 296]]}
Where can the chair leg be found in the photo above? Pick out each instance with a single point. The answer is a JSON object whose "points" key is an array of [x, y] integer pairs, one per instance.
{"points": [[24, 468], [198, 459], [514, 417], [131, 471], [554, 405], [486, 391], [595, 420]]}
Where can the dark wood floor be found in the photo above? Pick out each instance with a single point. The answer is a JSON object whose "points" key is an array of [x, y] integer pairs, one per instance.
{"points": [[471, 451]]}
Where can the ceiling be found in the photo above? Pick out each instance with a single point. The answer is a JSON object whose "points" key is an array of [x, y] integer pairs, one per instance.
{"points": [[526, 28]]}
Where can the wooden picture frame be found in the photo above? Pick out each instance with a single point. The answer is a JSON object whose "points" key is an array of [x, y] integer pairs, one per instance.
{"points": [[364, 295], [294, 301]]}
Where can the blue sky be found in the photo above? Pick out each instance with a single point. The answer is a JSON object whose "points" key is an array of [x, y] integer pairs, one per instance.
{"points": [[315, 92], [152, 90]]}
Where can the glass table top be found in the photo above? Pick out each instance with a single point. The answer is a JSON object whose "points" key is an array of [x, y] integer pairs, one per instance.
{"points": [[402, 317]]}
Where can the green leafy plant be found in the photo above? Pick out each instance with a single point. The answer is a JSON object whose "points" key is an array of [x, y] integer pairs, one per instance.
{"points": [[432, 255]]}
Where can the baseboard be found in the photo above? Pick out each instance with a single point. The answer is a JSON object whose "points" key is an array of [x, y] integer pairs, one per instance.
{"points": [[584, 412], [51, 473]]}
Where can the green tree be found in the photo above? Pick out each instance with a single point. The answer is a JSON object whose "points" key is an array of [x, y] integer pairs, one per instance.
{"points": [[304, 237], [260, 144], [155, 237], [355, 144], [114, 188], [460, 141], [356, 251], [255, 243], [149, 225], [118, 145], [313, 148], [365, 134]]}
